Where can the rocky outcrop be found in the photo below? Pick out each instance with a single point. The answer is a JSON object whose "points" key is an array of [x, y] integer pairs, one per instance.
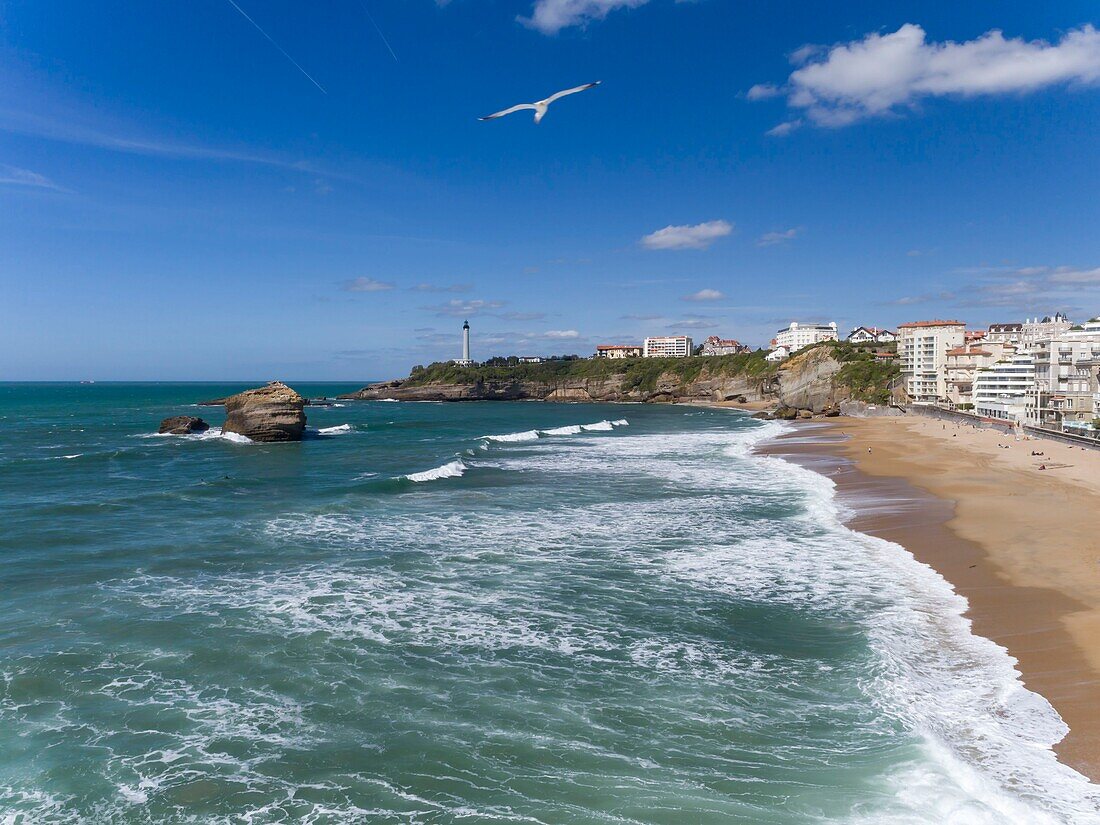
{"points": [[806, 382], [667, 388], [182, 425], [271, 413]]}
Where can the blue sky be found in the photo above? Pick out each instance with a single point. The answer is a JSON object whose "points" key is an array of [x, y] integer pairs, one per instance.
{"points": [[179, 199]]}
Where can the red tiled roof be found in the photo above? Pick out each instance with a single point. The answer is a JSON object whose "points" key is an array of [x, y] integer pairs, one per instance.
{"points": [[965, 351]]}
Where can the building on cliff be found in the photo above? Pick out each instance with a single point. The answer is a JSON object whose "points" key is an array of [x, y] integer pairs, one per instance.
{"points": [[616, 351], [667, 346], [797, 336], [723, 346]]}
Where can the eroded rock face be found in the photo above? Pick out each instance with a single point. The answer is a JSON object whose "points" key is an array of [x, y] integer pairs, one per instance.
{"points": [[182, 425], [271, 413]]}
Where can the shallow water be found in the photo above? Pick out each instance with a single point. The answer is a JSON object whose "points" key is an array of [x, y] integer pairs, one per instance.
{"points": [[437, 613]]}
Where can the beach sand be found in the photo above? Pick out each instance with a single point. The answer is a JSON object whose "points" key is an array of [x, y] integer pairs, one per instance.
{"points": [[1020, 543]]}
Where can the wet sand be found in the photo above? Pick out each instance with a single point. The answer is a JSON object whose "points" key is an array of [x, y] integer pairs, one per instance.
{"points": [[1021, 544]]}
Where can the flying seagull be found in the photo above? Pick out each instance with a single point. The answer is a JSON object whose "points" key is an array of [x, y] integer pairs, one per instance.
{"points": [[541, 106]]}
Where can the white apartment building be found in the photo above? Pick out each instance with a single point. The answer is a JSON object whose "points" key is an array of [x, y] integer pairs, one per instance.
{"points": [[667, 346], [1033, 330], [796, 336], [778, 354], [617, 351], [923, 348], [1005, 390], [963, 364]]}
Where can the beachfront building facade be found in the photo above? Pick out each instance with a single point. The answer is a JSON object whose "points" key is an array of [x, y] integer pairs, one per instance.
{"points": [[723, 346], [617, 351], [1005, 390], [923, 348], [667, 346], [797, 336], [1005, 333], [1063, 386], [871, 335], [1034, 330], [963, 364]]}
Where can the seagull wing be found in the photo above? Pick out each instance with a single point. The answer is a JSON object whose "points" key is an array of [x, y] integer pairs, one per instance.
{"points": [[518, 108], [573, 91]]}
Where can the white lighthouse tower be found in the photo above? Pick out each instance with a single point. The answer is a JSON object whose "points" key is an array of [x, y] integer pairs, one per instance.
{"points": [[465, 359]]}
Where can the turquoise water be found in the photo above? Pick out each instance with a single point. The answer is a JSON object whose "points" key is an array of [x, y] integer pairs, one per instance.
{"points": [[401, 619]]}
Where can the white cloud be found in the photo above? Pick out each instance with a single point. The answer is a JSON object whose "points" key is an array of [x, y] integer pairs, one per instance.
{"points": [[785, 128], [705, 295], [763, 91], [366, 285], [441, 288], [773, 238], [1068, 275], [883, 73], [14, 176], [699, 236], [551, 16], [560, 334]]}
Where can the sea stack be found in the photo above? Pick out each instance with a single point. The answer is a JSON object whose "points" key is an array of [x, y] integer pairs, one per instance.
{"points": [[274, 412]]}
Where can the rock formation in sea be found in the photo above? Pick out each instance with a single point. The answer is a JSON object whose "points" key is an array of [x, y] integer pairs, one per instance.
{"points": [[182, 425], [273, 412]]}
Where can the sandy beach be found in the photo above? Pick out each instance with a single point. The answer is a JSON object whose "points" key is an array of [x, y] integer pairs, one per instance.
{"points": [[1016, 540]]}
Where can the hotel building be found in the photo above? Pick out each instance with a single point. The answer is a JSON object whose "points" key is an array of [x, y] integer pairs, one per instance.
{"points": [[963, 364], [923, 348], [797, 336], [667, 346]]}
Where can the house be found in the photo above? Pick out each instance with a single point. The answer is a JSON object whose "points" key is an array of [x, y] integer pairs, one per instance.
{"points": [[530, 359], [923, 347], [667, 346], [1005, 333], [871, 335], [778, 353], [723, 346], [616, 351], [796, 336]]}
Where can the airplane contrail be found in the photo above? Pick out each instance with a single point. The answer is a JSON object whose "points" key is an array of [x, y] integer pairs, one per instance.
{"points": [[370, 17], [277, 46]]}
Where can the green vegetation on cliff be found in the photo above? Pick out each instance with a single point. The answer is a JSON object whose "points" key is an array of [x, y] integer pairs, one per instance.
{"points": [[866, 376], [637, 373]]}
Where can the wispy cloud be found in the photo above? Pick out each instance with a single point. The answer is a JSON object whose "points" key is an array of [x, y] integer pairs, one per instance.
{"points": [[887, 73], [704, 295], [441, 288], [697, 236], [365, 285], [457, 308], [15, 176], [694, 323], [773, 238]]}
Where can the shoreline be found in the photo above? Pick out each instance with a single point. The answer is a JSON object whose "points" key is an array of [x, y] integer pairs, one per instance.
{"points": [[1011, 539]]}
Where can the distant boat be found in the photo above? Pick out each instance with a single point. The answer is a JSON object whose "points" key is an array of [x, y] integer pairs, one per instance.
{"points": [[87, 382]]}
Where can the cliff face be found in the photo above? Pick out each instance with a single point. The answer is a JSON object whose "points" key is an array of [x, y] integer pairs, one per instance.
{"points": [[805, 382], [808, 381]]}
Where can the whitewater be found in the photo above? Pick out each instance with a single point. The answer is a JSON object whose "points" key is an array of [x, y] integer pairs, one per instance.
{"points": [[597, 614]]}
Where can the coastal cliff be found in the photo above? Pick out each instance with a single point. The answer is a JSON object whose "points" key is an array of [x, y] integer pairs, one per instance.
{"points": [[816, 380]]}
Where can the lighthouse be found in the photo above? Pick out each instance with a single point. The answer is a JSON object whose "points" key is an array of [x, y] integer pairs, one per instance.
{"points": [[465, 359]]}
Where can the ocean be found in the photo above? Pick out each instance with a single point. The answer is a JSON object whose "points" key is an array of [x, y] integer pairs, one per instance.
{"points": [[481, 612]]}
